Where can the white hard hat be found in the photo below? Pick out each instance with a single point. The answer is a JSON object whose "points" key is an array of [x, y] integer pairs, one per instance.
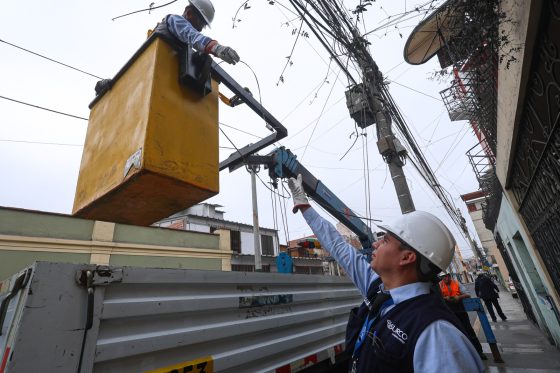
{"points": [[426, 234], [205, 8]]}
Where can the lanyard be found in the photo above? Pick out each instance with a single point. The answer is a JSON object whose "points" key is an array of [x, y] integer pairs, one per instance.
{"points": [[367, 326]]}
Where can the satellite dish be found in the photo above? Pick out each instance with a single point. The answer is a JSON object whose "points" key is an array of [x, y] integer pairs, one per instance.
{"points": [[433, 36]]}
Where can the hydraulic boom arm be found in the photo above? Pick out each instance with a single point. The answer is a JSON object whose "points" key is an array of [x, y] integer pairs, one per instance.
{"points": [[283, 164]]}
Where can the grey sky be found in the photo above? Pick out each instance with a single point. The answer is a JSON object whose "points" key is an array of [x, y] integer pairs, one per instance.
{"points": [[82, 34]]}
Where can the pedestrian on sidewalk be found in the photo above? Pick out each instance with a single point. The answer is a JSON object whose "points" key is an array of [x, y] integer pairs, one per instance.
{"points": [[487, 290], [401, 326], [453, 293]]}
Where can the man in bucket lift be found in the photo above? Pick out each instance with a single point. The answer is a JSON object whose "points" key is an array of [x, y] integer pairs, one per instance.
{"points": [[187, 30], [401, 326]]}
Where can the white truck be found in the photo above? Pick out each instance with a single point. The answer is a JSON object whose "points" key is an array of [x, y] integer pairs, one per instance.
{"points": [[60, 317]]}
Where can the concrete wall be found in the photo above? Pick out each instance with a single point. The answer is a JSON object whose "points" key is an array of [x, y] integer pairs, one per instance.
{"points": [[512, 90], [13, 261], [164, 262], [521, 30], [27, 236], [529, 267]]}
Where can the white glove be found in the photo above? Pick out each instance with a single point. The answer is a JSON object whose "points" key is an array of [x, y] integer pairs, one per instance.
{"points": [[298, 194], [225, 53]]}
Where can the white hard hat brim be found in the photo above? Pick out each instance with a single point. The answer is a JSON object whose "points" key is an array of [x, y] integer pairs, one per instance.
{"points": [[390, 229]]}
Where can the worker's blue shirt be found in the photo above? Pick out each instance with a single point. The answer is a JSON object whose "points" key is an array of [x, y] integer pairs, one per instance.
{"points": [[185, 32], [441, 346]]}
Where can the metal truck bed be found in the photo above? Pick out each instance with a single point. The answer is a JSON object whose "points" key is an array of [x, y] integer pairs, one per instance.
{"points": [[87, 318]]}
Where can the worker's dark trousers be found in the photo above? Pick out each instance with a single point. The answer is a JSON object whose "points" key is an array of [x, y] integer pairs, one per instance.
{"points": [[464, 318], [489, 303]]}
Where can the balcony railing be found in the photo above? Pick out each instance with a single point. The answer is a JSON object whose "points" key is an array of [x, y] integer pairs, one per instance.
{"points": [[483, 165]]}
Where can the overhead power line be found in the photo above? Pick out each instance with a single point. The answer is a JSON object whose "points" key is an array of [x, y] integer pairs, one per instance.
{"points": [[415, 90], [82, 118], [40, 142], [50, 59], [240, 130], [44, 108], [145, 10]]}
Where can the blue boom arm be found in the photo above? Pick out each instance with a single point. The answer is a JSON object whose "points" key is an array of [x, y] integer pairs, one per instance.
{"points": [[284, 165]]}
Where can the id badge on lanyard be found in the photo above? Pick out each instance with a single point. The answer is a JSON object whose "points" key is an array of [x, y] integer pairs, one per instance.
{"points": [[364, 333]]}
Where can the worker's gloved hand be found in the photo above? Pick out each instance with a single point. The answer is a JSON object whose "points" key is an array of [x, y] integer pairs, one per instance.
{"points": [[225, 53], [298, 194]]}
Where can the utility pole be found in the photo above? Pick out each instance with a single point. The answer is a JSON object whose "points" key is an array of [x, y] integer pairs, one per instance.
{"points": [[389, 146], [365, 100], [256, 232]]}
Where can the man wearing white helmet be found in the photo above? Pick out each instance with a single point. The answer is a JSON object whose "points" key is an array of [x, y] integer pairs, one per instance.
{"points": [[402, 326], [187, 29]]}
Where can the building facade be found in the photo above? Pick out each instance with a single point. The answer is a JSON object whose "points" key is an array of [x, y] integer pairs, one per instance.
{"points": [[27, 236], [527, 162], [505, 63], [458, 267], [474, 203], [237, 237]]}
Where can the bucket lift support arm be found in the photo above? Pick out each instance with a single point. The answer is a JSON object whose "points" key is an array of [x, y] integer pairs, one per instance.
{"points": [[235, 160]]}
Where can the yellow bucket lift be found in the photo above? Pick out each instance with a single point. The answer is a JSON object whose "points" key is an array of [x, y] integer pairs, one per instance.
{"points": [[151, 147]]}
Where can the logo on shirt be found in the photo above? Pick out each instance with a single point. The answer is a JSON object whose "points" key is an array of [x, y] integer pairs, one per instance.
{"points": [[400, 335]]}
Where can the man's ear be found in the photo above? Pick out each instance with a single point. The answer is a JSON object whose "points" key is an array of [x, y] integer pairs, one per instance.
{"points": [[187, 13], [408, 257]]}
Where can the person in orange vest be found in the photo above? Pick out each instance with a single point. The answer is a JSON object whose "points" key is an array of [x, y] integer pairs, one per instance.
{"points": [[453, 293]]}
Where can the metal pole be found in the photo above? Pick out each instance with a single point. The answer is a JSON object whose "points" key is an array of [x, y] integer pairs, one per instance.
{"points": [[256, 232]]}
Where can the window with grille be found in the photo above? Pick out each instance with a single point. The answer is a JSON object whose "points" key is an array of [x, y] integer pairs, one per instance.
{"points": [[235, 241], [248, 268], [267, 246], [308, 270]]}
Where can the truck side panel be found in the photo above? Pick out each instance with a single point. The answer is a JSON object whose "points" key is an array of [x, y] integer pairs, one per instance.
{"points": [[157, 320], [51, 325]]}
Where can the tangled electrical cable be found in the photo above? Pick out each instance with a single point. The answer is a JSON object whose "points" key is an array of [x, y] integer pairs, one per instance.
{"points": [[333, 27]]}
